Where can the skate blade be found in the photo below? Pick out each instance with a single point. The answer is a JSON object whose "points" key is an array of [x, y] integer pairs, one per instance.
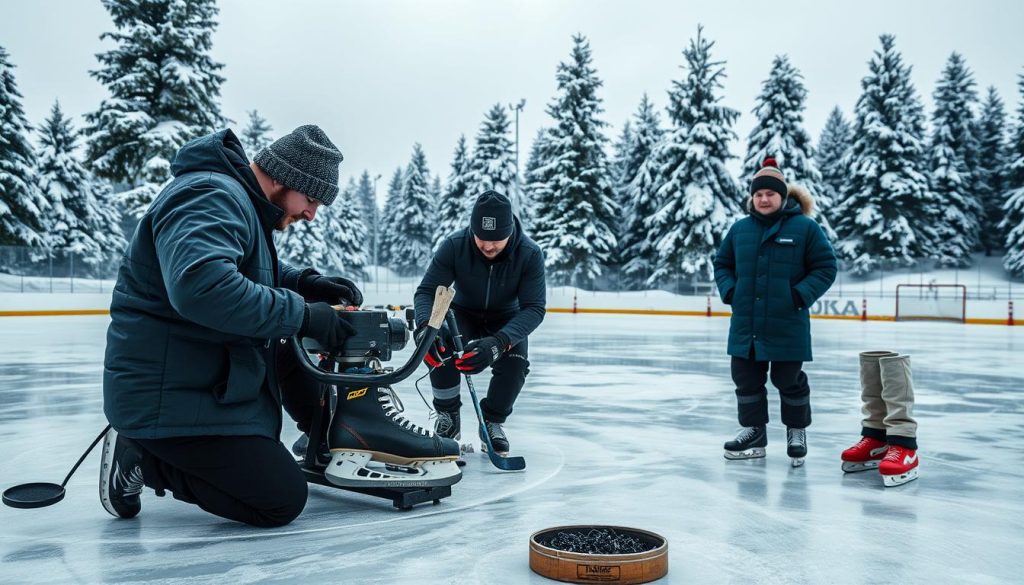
{"points": [[358, 469], [895, 480], [853, 467], [467, 448], [754, 453], [796, 461]]}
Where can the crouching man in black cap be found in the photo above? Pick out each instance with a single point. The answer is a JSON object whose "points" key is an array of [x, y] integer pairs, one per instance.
{"points": [[498, 273]]}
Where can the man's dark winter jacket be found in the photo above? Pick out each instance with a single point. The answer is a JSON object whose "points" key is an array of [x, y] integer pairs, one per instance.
{"points": [[771, 272], [508, 290], [199, 304]]}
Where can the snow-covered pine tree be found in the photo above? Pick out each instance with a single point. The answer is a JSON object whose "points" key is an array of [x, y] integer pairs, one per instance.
{"points": [[345, 235], [386, 233], [833, 148], [1013, 221], [164, 91], [573, 223], [953, 154], [697, 196], [21, 204], [303, 244], [413, 220], [884, 214], [256, 134], [75, 220], [617, 168], [990, 172], [640, 200], [493, 165], [779, 133], [454, 206], [366, 203]]}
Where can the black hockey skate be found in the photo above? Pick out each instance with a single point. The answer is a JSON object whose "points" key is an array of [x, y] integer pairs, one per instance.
{"points": [[748, 444], [120, 476], [498, 439], [448, 424], [796, 445], [373, 445]]}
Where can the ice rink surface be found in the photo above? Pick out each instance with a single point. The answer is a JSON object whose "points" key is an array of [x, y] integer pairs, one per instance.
{"points": [[621, 422]]}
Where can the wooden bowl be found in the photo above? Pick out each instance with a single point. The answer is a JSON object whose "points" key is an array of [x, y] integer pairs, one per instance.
{"points": [[575, 567]]}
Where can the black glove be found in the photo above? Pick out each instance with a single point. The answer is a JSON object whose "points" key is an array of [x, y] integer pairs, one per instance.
{"points": [[441, 349], [329, 289], [326, 325], [479, 354]]}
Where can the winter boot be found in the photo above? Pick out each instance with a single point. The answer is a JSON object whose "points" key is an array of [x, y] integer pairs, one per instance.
{"points": [[121, 476], [899, 466], [796, 445], [498, 438], [748, 444], [866, 454]]}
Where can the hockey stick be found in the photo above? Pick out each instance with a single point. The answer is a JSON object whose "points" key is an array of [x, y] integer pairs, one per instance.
{"points": [[503, 463]]}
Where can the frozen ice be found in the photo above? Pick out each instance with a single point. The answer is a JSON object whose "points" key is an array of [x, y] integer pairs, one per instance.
{"points": [[622, 422]]}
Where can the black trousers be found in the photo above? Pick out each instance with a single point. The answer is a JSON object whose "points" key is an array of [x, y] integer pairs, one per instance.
{"points": [[750, 377], [249, 479], [508, 373]]}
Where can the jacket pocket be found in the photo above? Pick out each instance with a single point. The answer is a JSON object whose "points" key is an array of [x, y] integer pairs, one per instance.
{"points": [[785, 249], [246, 373]]}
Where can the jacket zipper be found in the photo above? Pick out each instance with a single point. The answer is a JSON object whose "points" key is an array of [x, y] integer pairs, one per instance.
{"points": [[487, 297]]}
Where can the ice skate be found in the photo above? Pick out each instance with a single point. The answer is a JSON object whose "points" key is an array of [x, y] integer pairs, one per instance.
{"points": [[796, 445], [748, 444], [120, 476], [899, 466], [866, 454], [498, 439], [372, 444]]}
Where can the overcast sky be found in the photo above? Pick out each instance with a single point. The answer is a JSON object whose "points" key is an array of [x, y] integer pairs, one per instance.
{"points": [[379, 76]]}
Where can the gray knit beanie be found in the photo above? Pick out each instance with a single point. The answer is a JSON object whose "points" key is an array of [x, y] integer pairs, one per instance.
{"points": [[305, 160]]}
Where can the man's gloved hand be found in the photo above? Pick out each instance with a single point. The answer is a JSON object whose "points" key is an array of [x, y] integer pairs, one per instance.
{"points": [[335, 290], [442, 348], [479, 354], [326, 325]]}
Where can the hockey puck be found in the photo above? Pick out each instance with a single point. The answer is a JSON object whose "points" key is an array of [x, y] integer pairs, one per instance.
{"points": [[605, 554]]}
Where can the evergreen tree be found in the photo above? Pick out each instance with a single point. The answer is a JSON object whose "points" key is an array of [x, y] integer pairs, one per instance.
{"points": [[256, 135], [493, 165], [163, 88], [75, 219], [454, 206], [413, 219], [536, 174], [386, 232], [366, 204], [304, 243], [1013, 221], [640, 201], [21, 204], [617, 167], [573, 223], [831, 155], [345, 235], [953, 153], [884, 213], [990, 172], [696, 194], [779, 133]]}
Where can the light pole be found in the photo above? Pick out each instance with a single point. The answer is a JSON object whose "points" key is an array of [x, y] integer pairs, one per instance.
{"points": [[376, 228], [518, 108]]}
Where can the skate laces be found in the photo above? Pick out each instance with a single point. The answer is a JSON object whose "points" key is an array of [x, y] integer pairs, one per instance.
{"points": [[394, 408], [495, 431], [444, 422], [746, 434], [131, 483], [797, 437], [894, 454]]}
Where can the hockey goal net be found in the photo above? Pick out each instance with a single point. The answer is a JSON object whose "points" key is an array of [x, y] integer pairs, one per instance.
{"points": [[931, 302]]}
